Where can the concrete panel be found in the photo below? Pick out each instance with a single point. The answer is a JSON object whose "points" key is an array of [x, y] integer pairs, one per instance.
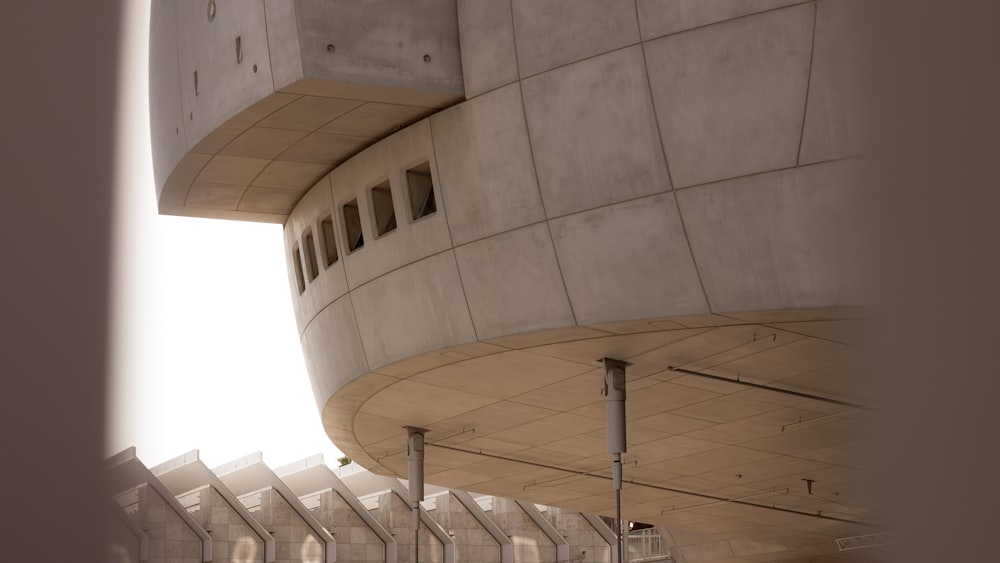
{"points": [[408, 44], [262, 142], [775, 241], [283, 41], [373, 93], [662, 17], [166, 120], [333, 350], [512, 283], [309, 113], [486, 32], [225, 86], [290, 175], [269, 200], [232, 170], [214, 196], [414, 309], [320, 148], [729, 98], [628, 261], [411, 240], [222, 135], [834, 119], [484, 162], [593, 133], [557, 32], [375, 120]]}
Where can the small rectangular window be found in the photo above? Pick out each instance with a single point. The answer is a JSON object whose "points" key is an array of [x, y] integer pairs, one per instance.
{"points": [[310, 250], [421, 190], [329, 241], [385, 213], [352, 221], [297, 264]]}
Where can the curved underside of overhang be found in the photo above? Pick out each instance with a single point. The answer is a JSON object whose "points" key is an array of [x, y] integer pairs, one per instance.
{"points": [[523, 416]]}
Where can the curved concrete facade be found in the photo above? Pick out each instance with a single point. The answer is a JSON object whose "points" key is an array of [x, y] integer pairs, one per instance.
{"points": [[672, 184], [614, 181]]}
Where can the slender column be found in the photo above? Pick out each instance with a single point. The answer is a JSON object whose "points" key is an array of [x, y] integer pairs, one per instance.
{"points": [[614, 400], [415, 460]]}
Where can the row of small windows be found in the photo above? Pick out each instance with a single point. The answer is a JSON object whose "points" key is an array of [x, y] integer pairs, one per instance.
{"points": [[420, 190]]}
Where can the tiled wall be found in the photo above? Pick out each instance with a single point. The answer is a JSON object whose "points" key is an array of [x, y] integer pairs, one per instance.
{"points": [[586, 544], [395, 515], [232, 538], [530, 544], [472, 541], [356, 542], [170, 538], [293, 539]]}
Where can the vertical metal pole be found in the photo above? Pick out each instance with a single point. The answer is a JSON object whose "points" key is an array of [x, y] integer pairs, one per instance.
{"points": [[415, 467], [614, 400], [616, 472], [416, 533]]}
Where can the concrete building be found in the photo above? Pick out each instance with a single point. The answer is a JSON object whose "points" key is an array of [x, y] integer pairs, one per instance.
{"points": [[483, 199]]}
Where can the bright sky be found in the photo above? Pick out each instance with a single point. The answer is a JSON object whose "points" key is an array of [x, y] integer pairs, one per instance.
{"points": [[205, 352]]}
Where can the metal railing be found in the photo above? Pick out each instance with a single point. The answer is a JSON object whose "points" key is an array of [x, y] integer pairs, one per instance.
{"points": [[647, 545]]}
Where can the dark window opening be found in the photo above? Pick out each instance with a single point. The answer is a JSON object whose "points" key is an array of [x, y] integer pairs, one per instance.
{"points": [[297, 259], [385, 213], [329, 241], [310, 249], [352, 220], [421, 190]]}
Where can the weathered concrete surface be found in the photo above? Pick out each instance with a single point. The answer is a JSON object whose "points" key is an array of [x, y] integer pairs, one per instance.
{"points": [[532, 295], [485, 164], [487, 38], [835, 115], [729, 97], [599, 148], [549, 34], [276, 84], [382, 42], [663, 17], [629, 279]]}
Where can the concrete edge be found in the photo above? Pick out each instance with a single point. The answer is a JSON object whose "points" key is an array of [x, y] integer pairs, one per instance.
{"points": [[447, 542], [470, 504], [330, 544], [338, 487], [193, 457], [562, 546], [142, 535], [606, 533]]}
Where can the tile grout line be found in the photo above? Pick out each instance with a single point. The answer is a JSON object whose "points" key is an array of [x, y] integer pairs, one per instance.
{"points": [[666, 160], [534, 169], [267, 41], [805, 105], [444, 213]]}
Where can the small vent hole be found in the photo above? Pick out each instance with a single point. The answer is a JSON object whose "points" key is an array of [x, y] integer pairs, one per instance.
{"points": [[297, 264], [421, 189], [385, 213], [352, 221], [310, 249], [329, 241]]}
